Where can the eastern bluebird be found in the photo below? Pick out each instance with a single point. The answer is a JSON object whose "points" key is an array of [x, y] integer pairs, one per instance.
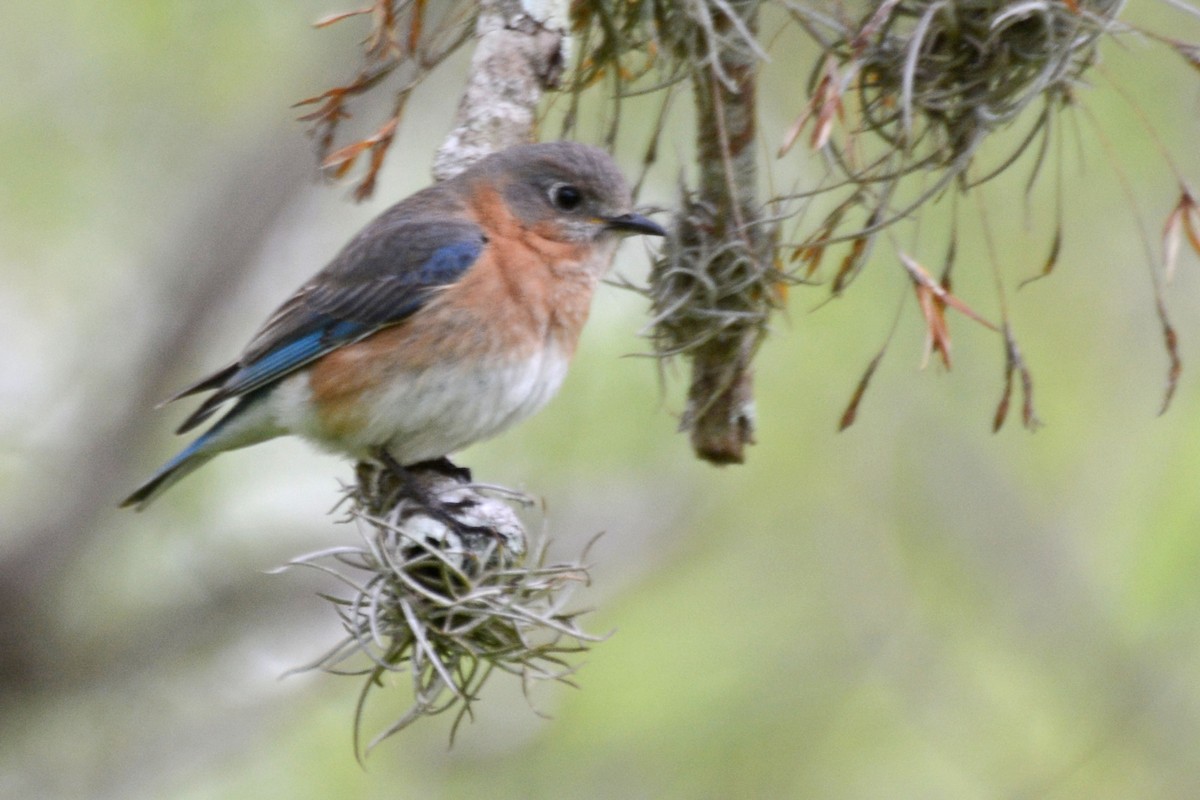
{"points": [[447, 319]]}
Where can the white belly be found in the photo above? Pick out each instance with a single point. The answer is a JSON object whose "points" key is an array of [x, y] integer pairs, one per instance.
{"points": [[433, 412]]}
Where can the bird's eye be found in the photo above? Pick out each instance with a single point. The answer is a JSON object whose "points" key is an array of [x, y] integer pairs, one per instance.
{"points": [[566, 197]]}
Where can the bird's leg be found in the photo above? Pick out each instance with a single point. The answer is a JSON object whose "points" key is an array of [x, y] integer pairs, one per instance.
{"points": [[393, 466], [446, 467], [429, 502]]}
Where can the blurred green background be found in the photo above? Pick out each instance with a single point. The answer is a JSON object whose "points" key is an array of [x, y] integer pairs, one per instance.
{"points": [[915, 608]]}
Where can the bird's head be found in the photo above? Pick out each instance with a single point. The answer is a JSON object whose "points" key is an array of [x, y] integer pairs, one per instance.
{"points": [[566, 191]]}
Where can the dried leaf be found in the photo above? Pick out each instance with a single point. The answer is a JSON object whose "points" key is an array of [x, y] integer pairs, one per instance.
{"points": [[343, 159], [872, 25], [830, 94], [937, 332], [852, 263], [1002, 407], [1171, 342], [851, 412], [331, 94], [793, 132], [417, 26], [1171, 241], [1051, 260], [326, 21], [382, 44], [1029, 417], [812, 251], [334, 98], [779, 292], [825, 104], [1184, 220], [811, 256], [860, 249], [922, 278], [1014, 363], [1191, 221]]}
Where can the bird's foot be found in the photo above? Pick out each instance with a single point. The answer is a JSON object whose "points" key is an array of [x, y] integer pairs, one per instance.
{"points": [[445, 467], [417, 486]]}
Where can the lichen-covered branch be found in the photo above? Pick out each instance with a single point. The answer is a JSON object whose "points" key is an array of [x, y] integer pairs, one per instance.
{"points": [[712, 289], [520, 52]]}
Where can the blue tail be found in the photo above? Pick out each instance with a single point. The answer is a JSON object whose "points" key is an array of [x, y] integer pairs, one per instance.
{"points": [[190, 458], [247, 423]]}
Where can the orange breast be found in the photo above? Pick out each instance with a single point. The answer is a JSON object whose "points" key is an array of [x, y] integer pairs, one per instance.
{"points": [[526, 292]]}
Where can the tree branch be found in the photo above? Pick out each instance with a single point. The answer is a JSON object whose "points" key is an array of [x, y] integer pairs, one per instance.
{"points": [[720, 240], [521, 50]]}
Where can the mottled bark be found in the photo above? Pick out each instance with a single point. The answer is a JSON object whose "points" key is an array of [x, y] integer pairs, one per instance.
{"points": [[720, 409], [520, 52]]}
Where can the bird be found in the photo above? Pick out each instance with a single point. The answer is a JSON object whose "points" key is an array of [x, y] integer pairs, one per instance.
{"points": [[447, 319]]}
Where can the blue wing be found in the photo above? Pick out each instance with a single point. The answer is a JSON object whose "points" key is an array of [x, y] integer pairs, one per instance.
{"points": [[383, 276]]}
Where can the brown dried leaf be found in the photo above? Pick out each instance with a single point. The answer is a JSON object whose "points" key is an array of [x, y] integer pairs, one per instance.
{"points": [[872, 25], [922, 278], [1002, 407], [1029, 417], [1171, 342], [332, 94], [1014, 363], [343, 159], [335, 98], [825, 104], [326, 21], [813, 258], [937, 332], [1191, 220], [812, 251], [793, 132], [779, 292], [417, 26], [382, 44], [1184, 220], [378, 152], [851, 264], [851, 412], [1051, 260], [1171, 240], [830, 94]]}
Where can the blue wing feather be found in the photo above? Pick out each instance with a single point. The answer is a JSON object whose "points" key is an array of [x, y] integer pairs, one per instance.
{"points": [[291, 355], [449, 262], [444, 266], [360, 293]]}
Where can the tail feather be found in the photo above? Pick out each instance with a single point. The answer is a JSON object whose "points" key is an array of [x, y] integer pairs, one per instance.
{"points": [[190, 458], [249, 422], [207, 383]]}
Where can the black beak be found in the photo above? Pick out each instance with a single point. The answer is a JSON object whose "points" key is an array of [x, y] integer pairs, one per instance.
{"points": [[634, 223]]}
